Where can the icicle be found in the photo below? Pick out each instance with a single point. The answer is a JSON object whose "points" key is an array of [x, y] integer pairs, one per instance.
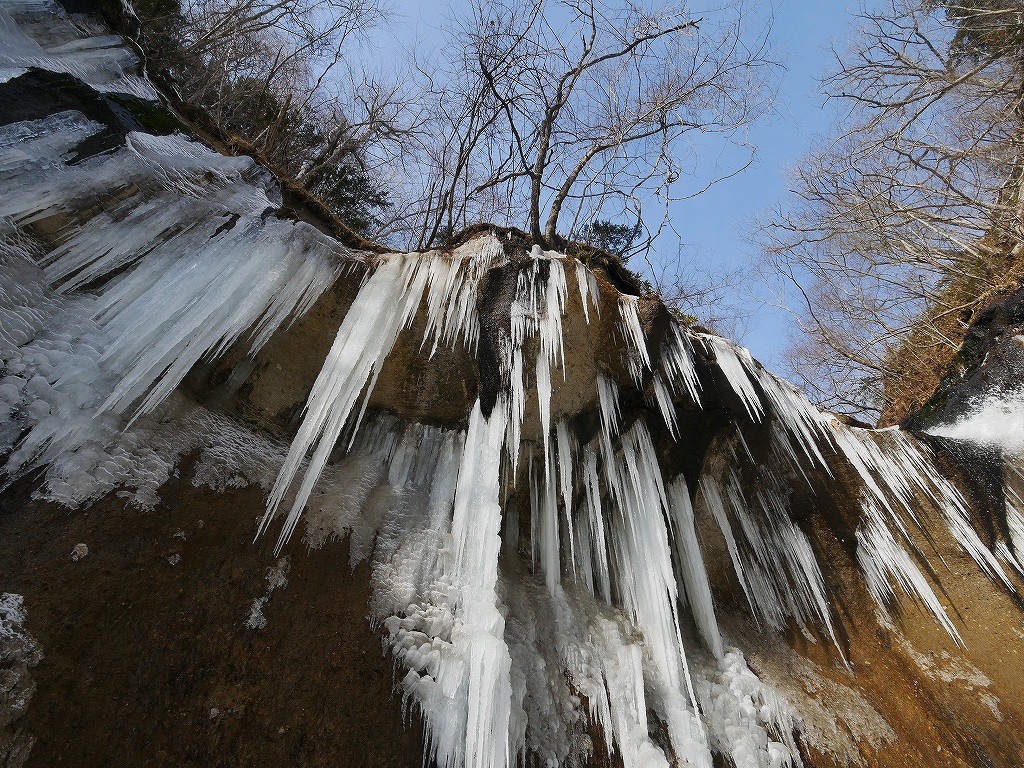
{"points": [[802, 420], [476, 510], [712, 495], [643, 567], [452, 292], [155, 211], [191, 288], [608, 399], [550, 323], [132, 340], [535, 502], [543, 370], [695, 577], [439, 585], [589, 290], [775, 566], [665, 405], [1012, 551], [596, 521], [385, 304], [166, 315], [677, 364], [541, 702], [565, 476], [193, 260], [880, 558], [479, 634], [545, 517], [105, 63], [537, 309], [549, 331], [808, 426], [729, 361], [583, 565], [903, 470], [633, 333]]}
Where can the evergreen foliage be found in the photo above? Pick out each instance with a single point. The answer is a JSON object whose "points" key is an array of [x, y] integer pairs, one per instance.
{"points": [[611, 237]]}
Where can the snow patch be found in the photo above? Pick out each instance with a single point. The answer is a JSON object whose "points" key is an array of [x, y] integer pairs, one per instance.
{"points": [[995, 421], [277, 578]]}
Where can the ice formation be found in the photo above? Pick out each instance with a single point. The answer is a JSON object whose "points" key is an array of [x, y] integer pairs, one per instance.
{"points": [[81, 366], [605, 615], [101, 60], [19, 654]]}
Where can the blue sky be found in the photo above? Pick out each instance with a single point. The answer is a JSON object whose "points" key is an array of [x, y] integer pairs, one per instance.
{"points": [[711, 224]]}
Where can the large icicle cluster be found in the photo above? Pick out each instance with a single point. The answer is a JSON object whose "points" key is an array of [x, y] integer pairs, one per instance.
{"points": [[605, 532], [100, 59], [538, 570], [613, 546], [80, 365]]}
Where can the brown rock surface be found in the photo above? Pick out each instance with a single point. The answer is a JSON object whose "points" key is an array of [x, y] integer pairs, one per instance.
{"points": [[148, 660]]}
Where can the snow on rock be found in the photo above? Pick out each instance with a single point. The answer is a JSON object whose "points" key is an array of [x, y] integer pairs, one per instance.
{"points": [[277, 578], [995, 421]]}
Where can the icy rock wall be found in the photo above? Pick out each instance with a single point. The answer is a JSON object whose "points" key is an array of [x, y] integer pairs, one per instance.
{"points": [[40, 34], [607, 533], [19, 653], [537, 568]]}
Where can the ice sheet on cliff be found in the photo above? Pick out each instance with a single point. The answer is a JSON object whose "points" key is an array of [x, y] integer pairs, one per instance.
{"points": [[603, 613]]}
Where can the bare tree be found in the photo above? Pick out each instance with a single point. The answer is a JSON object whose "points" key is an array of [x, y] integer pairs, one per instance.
{"points": [[704, 294], [556, 109], [371, 113], [909, 217], [282, 76], [270, 39], [544, 112]]}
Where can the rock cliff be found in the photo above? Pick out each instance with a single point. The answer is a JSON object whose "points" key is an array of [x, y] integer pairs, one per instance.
{"points": [[505, 511]]}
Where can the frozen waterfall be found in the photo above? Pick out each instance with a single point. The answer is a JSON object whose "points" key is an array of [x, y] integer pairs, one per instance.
{"points": [[537, 568]]}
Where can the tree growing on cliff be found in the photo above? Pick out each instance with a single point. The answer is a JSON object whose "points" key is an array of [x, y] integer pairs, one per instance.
{"points": [[273, 73], [908, 217], [277, 42], [554, 111], [611, 237]]}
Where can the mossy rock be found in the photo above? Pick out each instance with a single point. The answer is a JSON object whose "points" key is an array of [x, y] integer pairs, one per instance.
{"points": [[151, 117]]}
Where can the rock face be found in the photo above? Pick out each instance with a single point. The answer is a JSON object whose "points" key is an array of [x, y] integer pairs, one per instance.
{"points": [[150, 657], [19, 653], [536, 519], [990, 364]]}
